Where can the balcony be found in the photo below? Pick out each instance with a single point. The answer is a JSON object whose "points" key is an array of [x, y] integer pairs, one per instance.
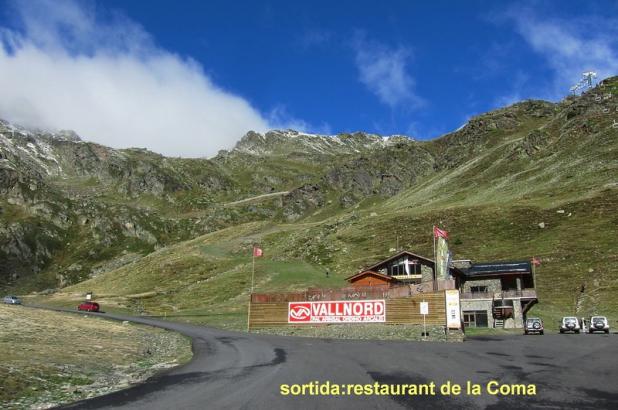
{"points": [[506, 294]]}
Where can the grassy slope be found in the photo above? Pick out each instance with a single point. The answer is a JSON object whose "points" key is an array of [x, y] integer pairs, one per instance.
{"points": [[506, 182], [208, 278], [44, 361]]}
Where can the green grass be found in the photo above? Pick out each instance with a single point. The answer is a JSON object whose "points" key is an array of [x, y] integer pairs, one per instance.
{"points": [[286, 275], [45, 363], [203, 280], [485, 331], [368, 331]]}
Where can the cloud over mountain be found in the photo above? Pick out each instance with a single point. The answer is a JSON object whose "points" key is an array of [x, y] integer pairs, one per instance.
{"points": [[383, 70], [68, 64], [569, 47]]}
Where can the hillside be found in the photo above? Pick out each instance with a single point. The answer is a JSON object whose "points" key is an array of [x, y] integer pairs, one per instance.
{"points": [[173, 236], [70, 209]]}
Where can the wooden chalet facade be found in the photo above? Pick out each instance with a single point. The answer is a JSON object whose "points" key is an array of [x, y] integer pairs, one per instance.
{"points": [[406, 268], [371, 278]]}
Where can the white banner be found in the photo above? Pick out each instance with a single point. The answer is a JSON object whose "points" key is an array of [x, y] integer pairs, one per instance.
{"points": [[453, 311], [338, 311]]}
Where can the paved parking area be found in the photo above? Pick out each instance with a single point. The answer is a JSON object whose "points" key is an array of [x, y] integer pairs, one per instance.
{"points": [[239, 370]]}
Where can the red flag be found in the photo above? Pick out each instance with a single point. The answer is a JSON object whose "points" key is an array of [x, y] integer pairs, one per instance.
{"points": [[536, 261], [257, 252], [437, 232]]}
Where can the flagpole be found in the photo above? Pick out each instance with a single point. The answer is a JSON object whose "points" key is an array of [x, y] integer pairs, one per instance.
{"points": [[252, 269], [435, 259], [251, 292], [533, 271]]}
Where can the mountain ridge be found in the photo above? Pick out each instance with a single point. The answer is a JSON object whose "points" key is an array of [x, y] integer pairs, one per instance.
{"points": [[73, 210]]}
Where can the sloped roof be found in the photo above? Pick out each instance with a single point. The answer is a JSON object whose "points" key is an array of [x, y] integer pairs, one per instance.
{"points": [[370, 272], [414, 255], [498, 268], [399, 255]]}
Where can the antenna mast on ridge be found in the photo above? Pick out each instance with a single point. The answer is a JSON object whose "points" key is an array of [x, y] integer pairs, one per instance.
{"points": [[586, 82]]}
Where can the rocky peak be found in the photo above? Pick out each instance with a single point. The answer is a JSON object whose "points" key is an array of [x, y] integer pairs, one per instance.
{"points": [[67, 135], [286, 142], [17, 131]]}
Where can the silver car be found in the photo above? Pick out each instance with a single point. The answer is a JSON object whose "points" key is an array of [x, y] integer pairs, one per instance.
{"points": [[534, 325], [598, 324], [569, 324], [12, 300]]}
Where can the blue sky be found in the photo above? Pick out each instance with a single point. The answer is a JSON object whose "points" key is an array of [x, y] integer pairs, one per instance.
{"points": [[191, 78]]}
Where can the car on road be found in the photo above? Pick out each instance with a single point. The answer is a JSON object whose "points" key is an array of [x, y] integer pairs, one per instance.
{"points": [[569, 324], [12, 300], [598, 324], [534, 325], [89, 306]]}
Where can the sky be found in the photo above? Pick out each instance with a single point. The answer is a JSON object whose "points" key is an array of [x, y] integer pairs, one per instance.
{"points": [[190, 78]]}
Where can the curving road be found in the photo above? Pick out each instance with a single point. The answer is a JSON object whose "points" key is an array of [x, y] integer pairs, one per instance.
{"points": [[238, 370]]}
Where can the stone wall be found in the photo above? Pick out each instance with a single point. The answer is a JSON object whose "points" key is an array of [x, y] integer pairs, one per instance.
{"points": [[493, 285], [516, 322], [485, 304], [427, 272]]}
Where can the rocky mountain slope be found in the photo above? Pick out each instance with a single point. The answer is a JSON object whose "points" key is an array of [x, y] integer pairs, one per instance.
{"points": [[72, 210]]}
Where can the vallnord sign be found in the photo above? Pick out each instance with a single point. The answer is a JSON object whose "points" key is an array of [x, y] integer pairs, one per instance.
{"points": [[340, 311]]}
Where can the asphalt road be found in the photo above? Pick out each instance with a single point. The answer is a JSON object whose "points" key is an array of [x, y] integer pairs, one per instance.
{"points": [[233, 370]]}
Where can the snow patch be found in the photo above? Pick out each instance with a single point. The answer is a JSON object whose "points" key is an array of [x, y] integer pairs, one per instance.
{"points": [[462, 127]]}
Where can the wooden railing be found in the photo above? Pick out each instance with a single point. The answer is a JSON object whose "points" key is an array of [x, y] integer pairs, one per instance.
{"points": [[353, 292], [476, 295], [523, 293]]}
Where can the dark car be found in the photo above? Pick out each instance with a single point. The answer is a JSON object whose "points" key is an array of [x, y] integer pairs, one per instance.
{"points": [[533, 325], [89, 307]]}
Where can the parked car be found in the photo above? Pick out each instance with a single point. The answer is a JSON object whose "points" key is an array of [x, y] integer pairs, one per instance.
{"points": [[12, 300], [89, 307], [598, 324], [569, 324], [534, 325]]}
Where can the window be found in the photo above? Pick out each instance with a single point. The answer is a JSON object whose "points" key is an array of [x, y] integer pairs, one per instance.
{"points": [[508, 283], [415, 267], [478, 289], [398, 267], [475, 318], [469, 319], [395, 269]]}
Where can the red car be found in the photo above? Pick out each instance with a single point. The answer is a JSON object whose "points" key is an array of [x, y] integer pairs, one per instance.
{"points": [[89, 307]]}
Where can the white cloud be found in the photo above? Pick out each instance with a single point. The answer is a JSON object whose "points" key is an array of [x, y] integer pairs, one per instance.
{"points": [[383, 71], [66, 67], [570, 47]]}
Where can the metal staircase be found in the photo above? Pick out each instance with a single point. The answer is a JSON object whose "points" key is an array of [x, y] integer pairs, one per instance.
{"points": [[501, 310]]}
